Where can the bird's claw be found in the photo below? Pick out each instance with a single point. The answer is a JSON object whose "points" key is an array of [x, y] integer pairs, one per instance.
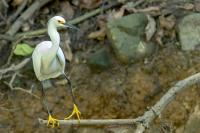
{"points": [[52, 122], [75, 111]]}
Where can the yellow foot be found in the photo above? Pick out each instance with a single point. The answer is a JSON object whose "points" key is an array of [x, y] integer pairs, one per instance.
{"points": [[52, 122], [75, 111]]}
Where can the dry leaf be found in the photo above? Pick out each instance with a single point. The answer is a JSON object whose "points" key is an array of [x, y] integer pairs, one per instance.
{"points": [[130, 7], [167, 22], [150, 28], [100, 34], [26, 27], [158, 37], [116, 14], [149, 9], [89, 4], [119, 13], [187, 6], [16, 2]]}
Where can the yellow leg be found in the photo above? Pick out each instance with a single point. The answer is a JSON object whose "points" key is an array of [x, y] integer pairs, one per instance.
{"points": [[74, 112], [52, 122]]}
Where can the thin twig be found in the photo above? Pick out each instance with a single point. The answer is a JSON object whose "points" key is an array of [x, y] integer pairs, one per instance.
{"points": [[14, 67], [10, 85], [14, 44], [26, 91], [9, 110]]}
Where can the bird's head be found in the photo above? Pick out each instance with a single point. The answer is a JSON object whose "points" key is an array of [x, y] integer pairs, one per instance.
{"points": [[59, 21]]}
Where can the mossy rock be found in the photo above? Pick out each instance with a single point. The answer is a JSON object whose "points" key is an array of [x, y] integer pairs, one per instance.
{"points": [[126, 34], [99, 60]]}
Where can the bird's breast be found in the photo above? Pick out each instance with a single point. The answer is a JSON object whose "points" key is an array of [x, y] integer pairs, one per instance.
{"points": [[54, 67]]}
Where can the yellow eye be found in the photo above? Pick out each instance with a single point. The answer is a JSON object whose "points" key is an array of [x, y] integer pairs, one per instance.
{"points": [[61, 22]]}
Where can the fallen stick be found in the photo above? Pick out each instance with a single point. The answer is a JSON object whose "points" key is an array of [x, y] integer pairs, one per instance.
{"points": [[18, 11], [73, 21], [14, 67], [25, 16], [6, 37]]}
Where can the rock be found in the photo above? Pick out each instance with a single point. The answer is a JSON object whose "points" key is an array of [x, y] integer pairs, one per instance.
{"points": [[125, 34], [99, 60], [189, 29]]}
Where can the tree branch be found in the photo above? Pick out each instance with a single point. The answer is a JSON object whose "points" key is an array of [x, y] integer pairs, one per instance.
{"points": [[18, 11], [145, 120], [10, 85], [5, 3], [93, 122], [25, 16], [167, 98], [14, 67]]}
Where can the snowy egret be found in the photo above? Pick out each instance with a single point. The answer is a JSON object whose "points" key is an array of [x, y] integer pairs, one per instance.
{"points": [[49, 62]]}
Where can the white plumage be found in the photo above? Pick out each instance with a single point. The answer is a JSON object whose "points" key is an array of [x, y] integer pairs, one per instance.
{"points": [[49, 62], [48, 57], [56, 67]]}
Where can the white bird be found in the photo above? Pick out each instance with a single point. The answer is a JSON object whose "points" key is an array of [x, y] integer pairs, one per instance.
{"points": [[49, 62]]}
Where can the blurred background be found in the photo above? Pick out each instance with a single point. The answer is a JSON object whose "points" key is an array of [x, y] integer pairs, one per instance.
{"points": [[124, 58]]}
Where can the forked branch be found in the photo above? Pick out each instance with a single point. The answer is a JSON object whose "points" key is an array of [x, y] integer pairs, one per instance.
{"points": [[145, 120]]}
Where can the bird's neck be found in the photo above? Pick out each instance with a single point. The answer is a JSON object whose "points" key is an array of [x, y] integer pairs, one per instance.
{"points": [[49, 56], [54, 35]]}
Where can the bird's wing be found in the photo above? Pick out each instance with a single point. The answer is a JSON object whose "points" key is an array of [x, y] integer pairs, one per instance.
{"points": [[44, 46], [61, 58], [36, 57]]}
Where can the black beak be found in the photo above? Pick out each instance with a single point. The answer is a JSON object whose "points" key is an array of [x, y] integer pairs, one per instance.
{"points": [[71, 26]]}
